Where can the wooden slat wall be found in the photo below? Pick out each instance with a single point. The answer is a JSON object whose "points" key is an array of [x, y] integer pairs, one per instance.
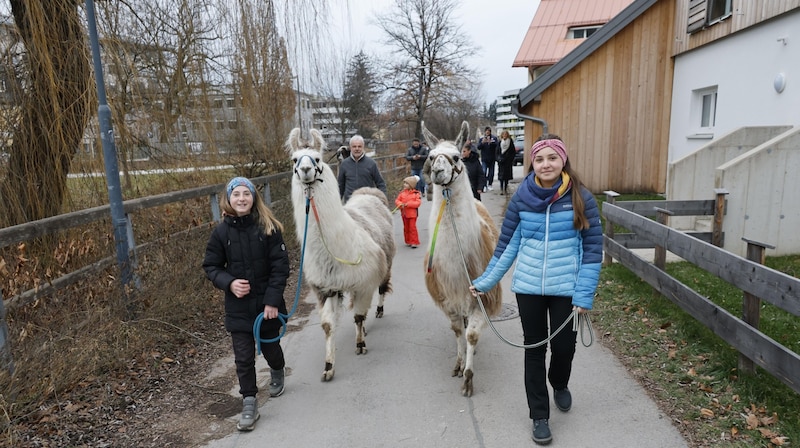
{"points": [[745, 13], [612, 110]]}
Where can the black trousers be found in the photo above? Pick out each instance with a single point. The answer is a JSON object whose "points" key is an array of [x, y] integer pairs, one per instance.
{"points": [[244, 353], [533, 312]]}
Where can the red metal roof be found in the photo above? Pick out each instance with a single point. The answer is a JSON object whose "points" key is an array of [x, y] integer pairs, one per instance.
{"points": [[546, 41]]}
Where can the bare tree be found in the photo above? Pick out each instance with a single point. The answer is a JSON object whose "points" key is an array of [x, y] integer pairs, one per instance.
{"points": [[428, 70], [264, 79], [54, 108]]}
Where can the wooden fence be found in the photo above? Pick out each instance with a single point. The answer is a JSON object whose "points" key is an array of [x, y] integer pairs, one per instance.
{"points": [[756, 281], [37, 229]]}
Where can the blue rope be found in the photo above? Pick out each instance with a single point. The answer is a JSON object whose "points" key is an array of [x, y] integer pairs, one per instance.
{"points": [[284, 317]]}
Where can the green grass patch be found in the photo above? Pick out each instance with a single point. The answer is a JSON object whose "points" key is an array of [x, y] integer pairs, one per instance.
{"points": [[689, 371]]}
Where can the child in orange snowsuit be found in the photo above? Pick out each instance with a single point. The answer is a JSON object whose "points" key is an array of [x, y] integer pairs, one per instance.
{"points": [[408, 201]]}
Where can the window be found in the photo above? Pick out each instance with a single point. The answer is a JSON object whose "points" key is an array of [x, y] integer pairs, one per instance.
{"points": [[703, 13], [582, 32], [718, 10], [703, 115], [709, 110], [230, 102], [218, 103]]}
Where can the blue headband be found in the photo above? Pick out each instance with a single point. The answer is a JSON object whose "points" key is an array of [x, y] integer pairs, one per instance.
{"points": [[240, 182]]}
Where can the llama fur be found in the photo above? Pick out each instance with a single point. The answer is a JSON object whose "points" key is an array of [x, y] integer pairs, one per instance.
{"points": [[348, 251], [476, 234]]}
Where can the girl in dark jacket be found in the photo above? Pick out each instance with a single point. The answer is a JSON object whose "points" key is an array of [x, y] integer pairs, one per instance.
{"points": [[472, 165], [246, 257]]}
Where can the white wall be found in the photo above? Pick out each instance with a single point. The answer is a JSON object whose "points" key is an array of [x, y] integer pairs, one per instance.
{"points": [[743, 67]]}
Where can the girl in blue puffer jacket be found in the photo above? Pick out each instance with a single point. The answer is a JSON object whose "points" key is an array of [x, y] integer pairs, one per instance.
{"points": [[552, 229]]}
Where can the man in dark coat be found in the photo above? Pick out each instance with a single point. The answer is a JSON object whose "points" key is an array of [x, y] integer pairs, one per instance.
{"points": [[488, 149]]}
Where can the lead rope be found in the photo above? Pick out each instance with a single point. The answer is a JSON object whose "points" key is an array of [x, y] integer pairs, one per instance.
{"points": [[579, 321]]}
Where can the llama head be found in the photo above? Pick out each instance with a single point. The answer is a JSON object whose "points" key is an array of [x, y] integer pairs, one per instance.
{"points": [[306, 155], [445, 156]]}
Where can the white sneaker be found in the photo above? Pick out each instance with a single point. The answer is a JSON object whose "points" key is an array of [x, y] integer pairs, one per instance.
{"points": [[490, 188]]}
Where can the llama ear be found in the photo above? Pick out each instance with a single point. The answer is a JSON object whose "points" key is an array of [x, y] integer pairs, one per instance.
{"points": [[463, 134], [426, 134], [317, 141], [294, 141]]}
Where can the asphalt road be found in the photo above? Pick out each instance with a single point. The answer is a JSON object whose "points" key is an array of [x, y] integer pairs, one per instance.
{"points": [[401, 394]]}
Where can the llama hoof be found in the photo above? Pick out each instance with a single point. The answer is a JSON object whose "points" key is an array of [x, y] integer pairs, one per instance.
{"points": [[361, 349], [379, 312], [458, 372], [327, 375], [466, 388]]}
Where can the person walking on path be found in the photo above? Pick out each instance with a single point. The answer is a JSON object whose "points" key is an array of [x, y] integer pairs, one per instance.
{"points": [[246, 258], [474, 170], [488, 150], [416, 156], [505, 160], [408, 201], [358, 171], [553, 225]]}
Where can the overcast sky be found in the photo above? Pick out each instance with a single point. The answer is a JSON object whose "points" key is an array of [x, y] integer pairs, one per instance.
{"points": [[497, 26]]}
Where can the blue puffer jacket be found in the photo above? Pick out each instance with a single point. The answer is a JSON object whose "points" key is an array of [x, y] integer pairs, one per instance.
{"points": [[554, 258]]}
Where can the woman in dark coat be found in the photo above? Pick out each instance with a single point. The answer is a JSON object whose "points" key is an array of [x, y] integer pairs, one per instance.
{"points": [[505, 160]]}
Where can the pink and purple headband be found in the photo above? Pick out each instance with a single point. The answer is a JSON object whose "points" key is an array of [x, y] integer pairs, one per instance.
{"points": [[557, 145]]}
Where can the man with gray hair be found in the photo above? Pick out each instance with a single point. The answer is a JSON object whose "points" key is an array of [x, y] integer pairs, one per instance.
{"points": [[358, 171]]}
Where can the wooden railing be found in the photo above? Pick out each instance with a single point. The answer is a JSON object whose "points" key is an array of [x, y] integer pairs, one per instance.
{"points": [[36, 229], [756, 281]]}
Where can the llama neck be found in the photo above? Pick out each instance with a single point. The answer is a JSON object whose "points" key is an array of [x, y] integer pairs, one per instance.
{"points": [[325, 200]]}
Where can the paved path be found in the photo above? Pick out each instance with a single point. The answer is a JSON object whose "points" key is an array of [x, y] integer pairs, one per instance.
{"points": [[401, 393]]}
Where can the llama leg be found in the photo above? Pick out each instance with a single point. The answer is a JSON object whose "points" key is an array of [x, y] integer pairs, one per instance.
{"points": [[473, 333], [457, 325], [329, 309], [361, 305], [383, 289]]}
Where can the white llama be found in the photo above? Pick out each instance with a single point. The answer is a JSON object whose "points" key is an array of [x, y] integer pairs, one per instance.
{"points": [[349, 249], [475, 234]]}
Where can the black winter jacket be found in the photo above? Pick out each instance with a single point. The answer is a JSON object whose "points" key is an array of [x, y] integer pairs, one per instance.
{"points": [[238, 248], [472, 165]]}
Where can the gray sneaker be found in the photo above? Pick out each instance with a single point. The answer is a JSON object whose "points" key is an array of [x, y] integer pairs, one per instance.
{"points": [[541, 432], [276, 384], [247, 421]]}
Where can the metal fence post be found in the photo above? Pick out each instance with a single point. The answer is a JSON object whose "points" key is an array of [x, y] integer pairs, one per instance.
{"points": [[751, 305], [6, 359]]}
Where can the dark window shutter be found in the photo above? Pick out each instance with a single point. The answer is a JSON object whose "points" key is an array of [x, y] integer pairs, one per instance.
{"points": [[697, 15]]}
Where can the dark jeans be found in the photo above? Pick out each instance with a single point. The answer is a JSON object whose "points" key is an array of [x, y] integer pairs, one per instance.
{"points": [[421, 183], [533, 312], [488, 171], [244, 353]]}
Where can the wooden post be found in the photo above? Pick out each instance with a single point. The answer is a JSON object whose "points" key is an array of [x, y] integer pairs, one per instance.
{"points": [[611, 198], [751, 305], [660, 255], [719, 214]]}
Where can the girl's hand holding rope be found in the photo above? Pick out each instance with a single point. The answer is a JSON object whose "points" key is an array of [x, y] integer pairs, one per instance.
{"points": [[270, 312]]}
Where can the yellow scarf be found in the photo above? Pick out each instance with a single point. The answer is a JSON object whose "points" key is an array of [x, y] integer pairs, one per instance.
{"points": [[565, 183]]}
